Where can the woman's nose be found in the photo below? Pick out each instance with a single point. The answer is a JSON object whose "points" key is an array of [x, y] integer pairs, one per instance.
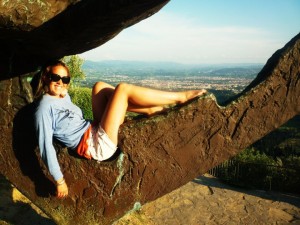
{"points": [[60, 82]]}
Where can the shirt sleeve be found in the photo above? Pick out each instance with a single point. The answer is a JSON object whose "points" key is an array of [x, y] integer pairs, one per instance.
{"points": [[44, 131]]}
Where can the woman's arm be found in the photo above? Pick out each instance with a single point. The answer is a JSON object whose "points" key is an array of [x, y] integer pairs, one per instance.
{"points": [[44, 130]]}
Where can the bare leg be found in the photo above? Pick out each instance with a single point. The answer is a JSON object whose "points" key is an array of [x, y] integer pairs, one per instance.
{"points": [[101, 94], [148, 110], [126, 94]]}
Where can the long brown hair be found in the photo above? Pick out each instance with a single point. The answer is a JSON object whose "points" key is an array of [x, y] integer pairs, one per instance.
{"points": [[37, 83]]}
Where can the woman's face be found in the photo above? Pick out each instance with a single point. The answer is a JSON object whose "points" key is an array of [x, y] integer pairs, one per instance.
{"points": [[57, 88]]}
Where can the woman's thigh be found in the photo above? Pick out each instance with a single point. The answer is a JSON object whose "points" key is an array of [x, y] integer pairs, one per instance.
{"points": [[101, 94]]}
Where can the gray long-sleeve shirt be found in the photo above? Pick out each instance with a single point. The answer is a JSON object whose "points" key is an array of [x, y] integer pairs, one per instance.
{"points": [[60, 119]]}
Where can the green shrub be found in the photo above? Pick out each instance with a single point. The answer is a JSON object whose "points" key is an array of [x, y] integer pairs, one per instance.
{"points": [[81, 96], [251, 155], [254, 169], [293, 161]]}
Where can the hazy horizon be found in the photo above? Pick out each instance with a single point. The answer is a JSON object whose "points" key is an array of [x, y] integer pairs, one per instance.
{"points": [[172, 62], [207, 32]]}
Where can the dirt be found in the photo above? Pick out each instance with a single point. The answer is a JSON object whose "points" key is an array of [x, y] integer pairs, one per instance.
{"points": [[206, 200]]}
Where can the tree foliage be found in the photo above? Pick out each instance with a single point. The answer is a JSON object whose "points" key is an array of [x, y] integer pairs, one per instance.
{"points": [[82, 98], [74, 63], [252, 155]]}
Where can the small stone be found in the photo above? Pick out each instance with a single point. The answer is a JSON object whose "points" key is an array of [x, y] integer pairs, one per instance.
{"points": [[280, 214]]}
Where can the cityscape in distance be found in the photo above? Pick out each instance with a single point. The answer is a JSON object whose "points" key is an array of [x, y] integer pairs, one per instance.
{"points": [[224, 80]]}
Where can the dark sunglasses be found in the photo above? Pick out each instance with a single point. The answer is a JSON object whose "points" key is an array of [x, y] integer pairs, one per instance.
{"points": [[55, 77]]}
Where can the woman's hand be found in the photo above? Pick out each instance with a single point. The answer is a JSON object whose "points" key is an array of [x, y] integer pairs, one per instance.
{"points": [[61, 188]]}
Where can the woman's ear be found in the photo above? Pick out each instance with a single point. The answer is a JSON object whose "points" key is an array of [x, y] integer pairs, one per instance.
{"points": [[45, 79], [46, 88]]}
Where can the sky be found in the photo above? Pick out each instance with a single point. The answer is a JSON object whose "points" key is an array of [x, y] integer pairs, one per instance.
{"points": [[206, 32]]}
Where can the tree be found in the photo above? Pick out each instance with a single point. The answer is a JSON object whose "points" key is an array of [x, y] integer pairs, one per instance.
{"points": [[79, 95], [74, 63]]}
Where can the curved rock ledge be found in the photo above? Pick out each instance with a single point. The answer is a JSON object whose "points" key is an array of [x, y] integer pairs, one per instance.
{"points": [[159, 154]]}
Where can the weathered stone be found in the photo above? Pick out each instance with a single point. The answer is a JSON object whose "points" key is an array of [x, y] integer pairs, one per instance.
{"points": [[26, 15], [280, 214], [159, 154], [33, 32]]}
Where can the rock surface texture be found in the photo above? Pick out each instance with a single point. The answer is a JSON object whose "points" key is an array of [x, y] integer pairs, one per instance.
{"points": [[32, 32], [158, 154], [205, 200]]}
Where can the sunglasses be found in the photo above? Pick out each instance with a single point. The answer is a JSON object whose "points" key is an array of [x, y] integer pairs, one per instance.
{"points": [[55, 77]]}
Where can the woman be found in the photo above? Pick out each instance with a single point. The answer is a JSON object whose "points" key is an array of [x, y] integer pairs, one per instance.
{"points": [[57, 117]]}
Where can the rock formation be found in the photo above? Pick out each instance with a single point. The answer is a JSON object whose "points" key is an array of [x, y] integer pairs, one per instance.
{"points": [[158, 154], [32, 32]]}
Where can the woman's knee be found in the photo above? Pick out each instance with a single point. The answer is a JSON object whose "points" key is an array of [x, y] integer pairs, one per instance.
{"points": [[123, 87], [99, 86]]}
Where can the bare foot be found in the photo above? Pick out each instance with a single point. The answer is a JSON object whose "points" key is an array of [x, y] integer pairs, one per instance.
{"points": [[193, 94]]}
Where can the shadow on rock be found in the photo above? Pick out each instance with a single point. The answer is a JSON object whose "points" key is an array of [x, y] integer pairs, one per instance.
{"points": [[25, 145], [211, 181], [15, 210]]}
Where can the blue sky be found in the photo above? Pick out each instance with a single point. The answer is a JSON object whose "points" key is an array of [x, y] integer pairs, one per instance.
{"points": [[207, 31]]}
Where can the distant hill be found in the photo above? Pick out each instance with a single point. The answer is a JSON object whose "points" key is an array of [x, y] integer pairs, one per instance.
{"points": [[170, 68], [132, 65], [248, 72]]}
